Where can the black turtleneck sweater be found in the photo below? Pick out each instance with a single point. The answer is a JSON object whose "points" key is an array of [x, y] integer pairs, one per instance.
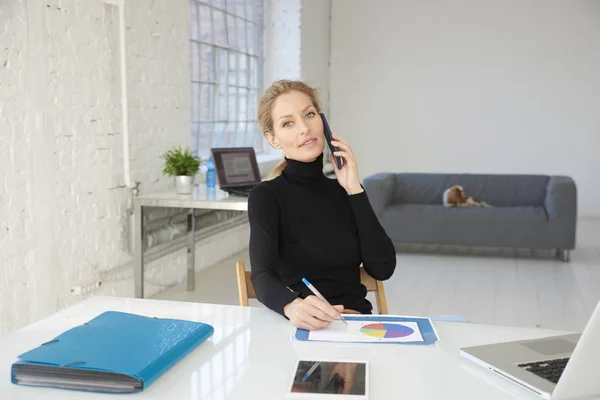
{"points": [[305, 225]]}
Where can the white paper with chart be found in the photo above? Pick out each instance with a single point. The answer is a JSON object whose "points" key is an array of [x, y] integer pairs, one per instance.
{"points": [[374, 329]]}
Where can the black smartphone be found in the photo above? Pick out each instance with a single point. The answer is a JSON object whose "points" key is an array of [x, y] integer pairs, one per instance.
{"points": [[328, 138]]}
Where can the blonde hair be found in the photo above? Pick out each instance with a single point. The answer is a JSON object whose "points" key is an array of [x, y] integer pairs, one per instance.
{"points": [[265, 108]]}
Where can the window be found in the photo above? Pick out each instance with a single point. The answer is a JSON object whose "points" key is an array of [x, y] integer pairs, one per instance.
{"points": [[226, 71]]}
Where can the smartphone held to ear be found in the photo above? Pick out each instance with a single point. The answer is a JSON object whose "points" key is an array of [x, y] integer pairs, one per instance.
{"points": [[328, 138]]}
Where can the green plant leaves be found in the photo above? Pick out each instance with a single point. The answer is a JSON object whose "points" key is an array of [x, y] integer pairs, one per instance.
{"points": [[180, 162]]}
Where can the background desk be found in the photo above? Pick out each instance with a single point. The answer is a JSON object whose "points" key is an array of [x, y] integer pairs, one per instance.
{"points": [[201, 198], [251, 357]]}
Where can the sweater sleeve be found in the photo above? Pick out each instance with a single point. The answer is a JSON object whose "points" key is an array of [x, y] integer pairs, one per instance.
{"points": [[377, 249], [264, 214]]}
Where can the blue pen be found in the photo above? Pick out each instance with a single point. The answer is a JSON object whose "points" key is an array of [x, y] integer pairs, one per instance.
{"points": [[310, 371], [319, 295]]}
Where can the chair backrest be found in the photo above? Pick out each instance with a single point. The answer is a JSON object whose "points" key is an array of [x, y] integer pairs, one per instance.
{"points": [[246, 290]]}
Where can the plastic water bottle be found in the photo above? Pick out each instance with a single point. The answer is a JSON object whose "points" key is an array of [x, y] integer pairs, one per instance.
{"points": [[211, 174]]}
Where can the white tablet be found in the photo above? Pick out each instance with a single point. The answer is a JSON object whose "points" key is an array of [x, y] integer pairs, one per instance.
{"points": [[327, 379]]}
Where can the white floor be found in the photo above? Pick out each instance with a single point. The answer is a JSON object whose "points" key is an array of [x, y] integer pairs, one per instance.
{"points": [[524, 288]]}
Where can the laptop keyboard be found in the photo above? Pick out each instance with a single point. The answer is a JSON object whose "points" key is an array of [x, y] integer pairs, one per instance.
{"points": [[240, 190], [548, 369]]}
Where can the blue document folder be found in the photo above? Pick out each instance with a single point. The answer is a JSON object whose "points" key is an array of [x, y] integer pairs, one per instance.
{"points": [[115, 352]]}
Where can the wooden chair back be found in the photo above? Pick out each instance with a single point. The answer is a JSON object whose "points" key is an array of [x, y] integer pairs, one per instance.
{"points": [[246, 291]]}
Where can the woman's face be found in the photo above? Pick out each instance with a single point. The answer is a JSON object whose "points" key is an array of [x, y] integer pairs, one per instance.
{"points": [[297, 127]]}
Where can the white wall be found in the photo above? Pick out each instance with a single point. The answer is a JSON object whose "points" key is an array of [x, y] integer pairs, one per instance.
{"points": [[470, 86], [315, 45]]}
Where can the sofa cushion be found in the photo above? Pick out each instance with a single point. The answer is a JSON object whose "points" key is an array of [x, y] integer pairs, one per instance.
{"points": [[501, 226], [497, 190]]}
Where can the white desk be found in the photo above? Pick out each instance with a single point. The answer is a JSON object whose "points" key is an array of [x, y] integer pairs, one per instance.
{"points": [[201, 198], [251, 357]]}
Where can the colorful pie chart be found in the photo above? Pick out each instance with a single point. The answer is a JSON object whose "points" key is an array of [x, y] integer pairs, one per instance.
{"points": [[387, 331]]}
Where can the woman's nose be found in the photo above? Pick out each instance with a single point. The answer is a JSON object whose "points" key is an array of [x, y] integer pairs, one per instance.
{"points": [[303, 126]]}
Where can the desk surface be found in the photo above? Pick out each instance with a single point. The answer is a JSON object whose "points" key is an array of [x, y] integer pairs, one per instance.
{"points": [[251, 356], [202, 197]]}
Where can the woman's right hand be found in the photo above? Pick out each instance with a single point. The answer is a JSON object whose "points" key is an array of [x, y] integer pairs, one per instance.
{"points": [[311, 313]]}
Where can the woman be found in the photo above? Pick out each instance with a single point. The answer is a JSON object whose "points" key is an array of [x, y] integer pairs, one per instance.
{"points": [[305, 225]]}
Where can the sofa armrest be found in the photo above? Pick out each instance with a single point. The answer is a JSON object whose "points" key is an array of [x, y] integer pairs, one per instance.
{"points": [[561, 207], [561, 198], [380, 190]]}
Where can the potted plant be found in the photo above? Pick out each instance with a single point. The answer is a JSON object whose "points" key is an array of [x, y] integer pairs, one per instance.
{"points": [[183, 165]]}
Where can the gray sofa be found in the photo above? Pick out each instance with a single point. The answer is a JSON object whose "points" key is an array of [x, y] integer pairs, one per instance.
{"points": [[528, 211]]}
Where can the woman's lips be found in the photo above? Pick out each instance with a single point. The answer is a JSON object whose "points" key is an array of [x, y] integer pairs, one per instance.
{"points": [[309, 142]]}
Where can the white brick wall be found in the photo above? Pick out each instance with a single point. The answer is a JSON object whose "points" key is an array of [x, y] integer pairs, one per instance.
{"points": [[159, 85], [282, 40], [63, 204], [16, 210]]}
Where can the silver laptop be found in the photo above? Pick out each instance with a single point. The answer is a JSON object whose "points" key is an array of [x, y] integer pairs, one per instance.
{"points": [[558, 367]]}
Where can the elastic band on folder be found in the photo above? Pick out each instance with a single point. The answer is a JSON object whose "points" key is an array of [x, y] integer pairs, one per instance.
{"points": [[52, 341], [73, 363]]}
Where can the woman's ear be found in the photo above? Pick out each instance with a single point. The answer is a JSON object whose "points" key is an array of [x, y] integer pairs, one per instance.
{"points": [[272, 141]]}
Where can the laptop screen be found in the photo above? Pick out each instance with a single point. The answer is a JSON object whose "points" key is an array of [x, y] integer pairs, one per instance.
{"points": [[236, 166]]}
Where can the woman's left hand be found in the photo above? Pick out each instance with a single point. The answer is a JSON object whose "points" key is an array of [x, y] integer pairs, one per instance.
{"points": [[348, 175]]}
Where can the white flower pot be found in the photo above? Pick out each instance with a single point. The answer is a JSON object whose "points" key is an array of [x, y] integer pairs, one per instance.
{"points": [[184, 184]]}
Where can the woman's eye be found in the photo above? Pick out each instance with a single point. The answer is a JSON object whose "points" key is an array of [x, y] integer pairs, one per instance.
{"points": [[287, 124], [310, 114]]}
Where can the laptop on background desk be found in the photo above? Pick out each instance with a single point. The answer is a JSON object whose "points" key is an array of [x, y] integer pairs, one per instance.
{"points": [[559, 367], [237, 169]]}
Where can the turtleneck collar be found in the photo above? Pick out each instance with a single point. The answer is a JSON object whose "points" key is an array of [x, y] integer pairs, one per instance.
{"points": [[304, 172]]}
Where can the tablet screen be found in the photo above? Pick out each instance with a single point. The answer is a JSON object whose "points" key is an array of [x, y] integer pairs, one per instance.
{"points": [[330, 377]]}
